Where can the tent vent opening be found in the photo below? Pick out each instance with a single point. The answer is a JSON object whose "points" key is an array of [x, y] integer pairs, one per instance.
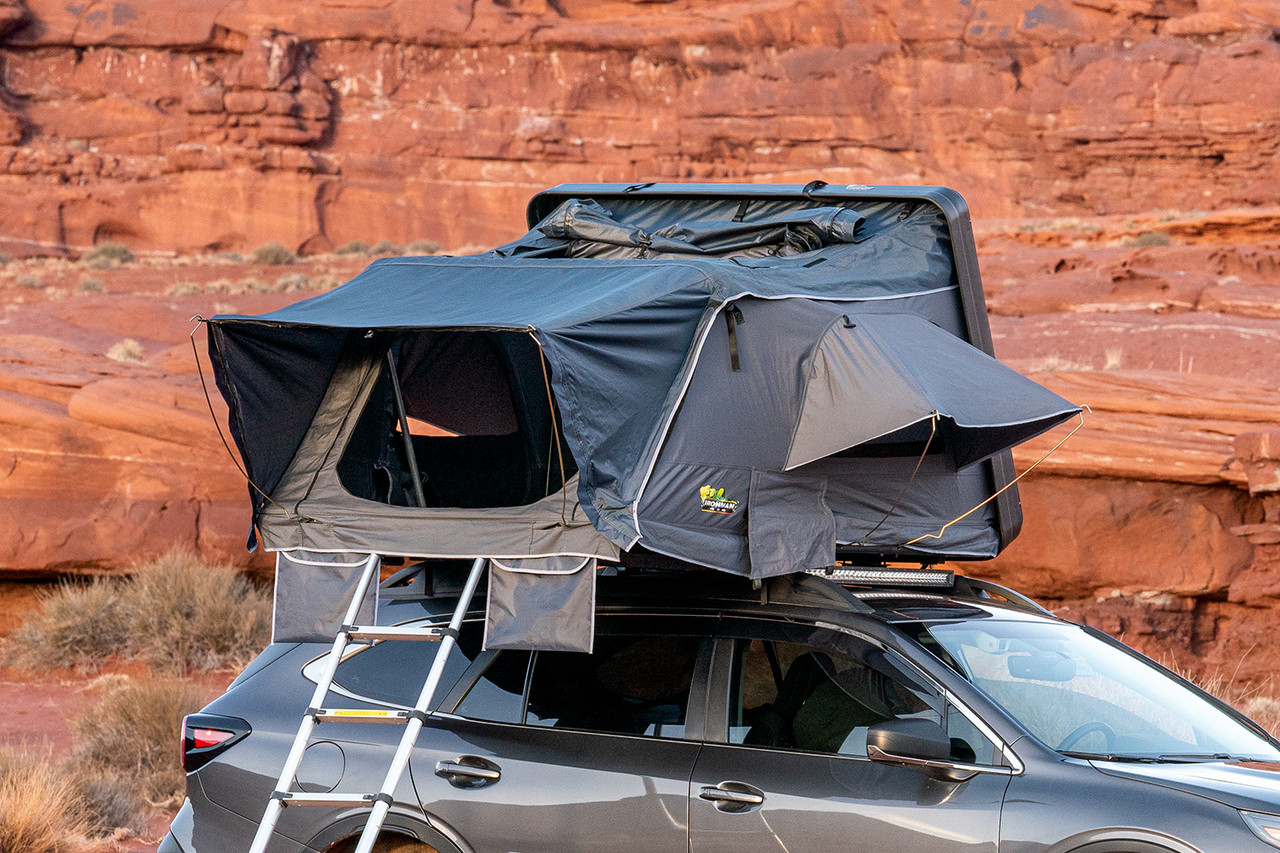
{"points": [[483, 426]]}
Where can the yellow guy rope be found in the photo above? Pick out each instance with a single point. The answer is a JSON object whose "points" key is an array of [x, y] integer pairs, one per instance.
{"points": [[1007, 486]]}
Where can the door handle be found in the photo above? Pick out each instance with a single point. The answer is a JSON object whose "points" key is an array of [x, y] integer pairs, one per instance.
{"points": [[734, 797], [468, 771]]}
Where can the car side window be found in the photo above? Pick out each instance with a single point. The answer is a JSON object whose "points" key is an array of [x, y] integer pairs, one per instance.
{"points": [[498, 694], [636, 685], [819, 698]]}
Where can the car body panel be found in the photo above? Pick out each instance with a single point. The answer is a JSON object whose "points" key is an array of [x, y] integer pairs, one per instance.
{"points": [[1249, 785], [565, 790], [561, 791], [1061, 805], [820, 802]]}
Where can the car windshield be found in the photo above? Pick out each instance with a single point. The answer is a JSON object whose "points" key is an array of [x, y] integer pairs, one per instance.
{"points": [[1085, 697]]}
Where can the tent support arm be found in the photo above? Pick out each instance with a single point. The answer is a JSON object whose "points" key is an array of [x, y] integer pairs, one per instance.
{"points": [[409, 455]]}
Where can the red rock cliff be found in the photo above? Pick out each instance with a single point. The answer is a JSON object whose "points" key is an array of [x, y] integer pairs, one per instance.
{"points": [[194, 124]]}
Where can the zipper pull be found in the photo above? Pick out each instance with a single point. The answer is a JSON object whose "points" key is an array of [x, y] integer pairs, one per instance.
{"points": [[733, 318]]}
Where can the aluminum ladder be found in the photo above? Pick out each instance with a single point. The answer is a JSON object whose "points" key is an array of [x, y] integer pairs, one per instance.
{"points": [[380, 802]]}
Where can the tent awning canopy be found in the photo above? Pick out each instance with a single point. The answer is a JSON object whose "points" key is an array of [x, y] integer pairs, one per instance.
{"points": [[874, 377]]}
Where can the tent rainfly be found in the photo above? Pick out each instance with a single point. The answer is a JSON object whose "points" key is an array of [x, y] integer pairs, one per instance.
{"points": [[751, 379]]}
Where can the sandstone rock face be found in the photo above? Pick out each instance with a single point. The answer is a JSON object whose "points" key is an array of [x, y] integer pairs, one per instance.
{"points": [[187, 124], [1120, 157], [108, 451]]}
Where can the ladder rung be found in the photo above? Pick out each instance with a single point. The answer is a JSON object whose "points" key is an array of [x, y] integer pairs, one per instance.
{"points": [[360, 715], [363, 632], [291, 798]]}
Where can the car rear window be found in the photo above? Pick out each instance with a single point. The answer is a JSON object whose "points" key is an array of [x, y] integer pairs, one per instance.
{"points": [[393, 671]]}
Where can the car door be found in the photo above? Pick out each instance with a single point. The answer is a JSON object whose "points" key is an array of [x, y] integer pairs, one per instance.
{"points": [[556, 752], [786, 765]]}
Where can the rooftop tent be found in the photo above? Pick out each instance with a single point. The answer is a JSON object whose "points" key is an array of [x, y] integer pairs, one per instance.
{"points": [[749, 378]]}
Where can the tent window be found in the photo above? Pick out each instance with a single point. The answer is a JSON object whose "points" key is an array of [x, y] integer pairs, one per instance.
{"points": [[480, 420]]}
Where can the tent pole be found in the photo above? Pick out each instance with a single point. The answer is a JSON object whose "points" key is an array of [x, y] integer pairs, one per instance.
{"points": [[409, 455]]}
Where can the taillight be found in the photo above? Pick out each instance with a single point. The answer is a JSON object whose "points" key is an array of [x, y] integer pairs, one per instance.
{"points": [[206, 736]]}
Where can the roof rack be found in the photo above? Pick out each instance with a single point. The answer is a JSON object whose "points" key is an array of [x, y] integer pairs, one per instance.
{"points": [[981, 589]]}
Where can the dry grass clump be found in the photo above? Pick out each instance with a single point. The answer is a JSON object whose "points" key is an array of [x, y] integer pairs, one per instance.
{"points": [[40, 808], [273, 254], [175, 612], [128, 746], [422, 247], [88, 284], [184, 613], [78, 626], [124, 765], [29, 282], [127, 351], [294, 281], [106, 256], [1257, 702], [355, 247]]}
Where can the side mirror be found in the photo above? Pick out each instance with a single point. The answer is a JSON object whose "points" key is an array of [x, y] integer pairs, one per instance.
{"points": [[911, 738], [924, 744]]}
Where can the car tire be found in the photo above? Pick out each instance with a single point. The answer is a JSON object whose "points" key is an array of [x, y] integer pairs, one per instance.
{"points": [[1121, 847], [394, 844]]}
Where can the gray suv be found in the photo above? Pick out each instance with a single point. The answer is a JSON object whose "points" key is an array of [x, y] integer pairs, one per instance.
{"points": [[857, 712]]}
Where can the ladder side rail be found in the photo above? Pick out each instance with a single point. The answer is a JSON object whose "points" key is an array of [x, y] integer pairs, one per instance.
{"points": [[382, 802], [291, 763]]}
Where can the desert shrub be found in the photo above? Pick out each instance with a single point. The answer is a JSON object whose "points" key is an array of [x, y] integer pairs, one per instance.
{"points": [[108, 799], [77, 625], [5, 259], [106, 255], [128, 740], [40, 810], [184, 288], [422, 247], [127, 351], [29, 282], [294, 281], [229, 258], [89, 284], [175, 612], [184, 613], [355, 247], [273, 254], [385, 247]]}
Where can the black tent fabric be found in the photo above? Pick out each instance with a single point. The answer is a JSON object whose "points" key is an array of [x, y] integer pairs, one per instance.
{"points": [[670, 356]]}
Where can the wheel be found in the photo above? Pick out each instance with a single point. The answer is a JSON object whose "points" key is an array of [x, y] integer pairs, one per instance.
{"points": [[1079, 732], [390, 844]]}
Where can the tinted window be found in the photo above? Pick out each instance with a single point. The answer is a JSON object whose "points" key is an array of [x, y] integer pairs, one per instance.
{"points": [[498, 695], [818, 698], [629, 685], [394, 670]]}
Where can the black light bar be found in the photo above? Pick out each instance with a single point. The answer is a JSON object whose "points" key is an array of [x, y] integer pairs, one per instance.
{"points": [[888, 577]]}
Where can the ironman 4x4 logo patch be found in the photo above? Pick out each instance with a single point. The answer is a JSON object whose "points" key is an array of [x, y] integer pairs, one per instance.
{"points": [[713, 500]]}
